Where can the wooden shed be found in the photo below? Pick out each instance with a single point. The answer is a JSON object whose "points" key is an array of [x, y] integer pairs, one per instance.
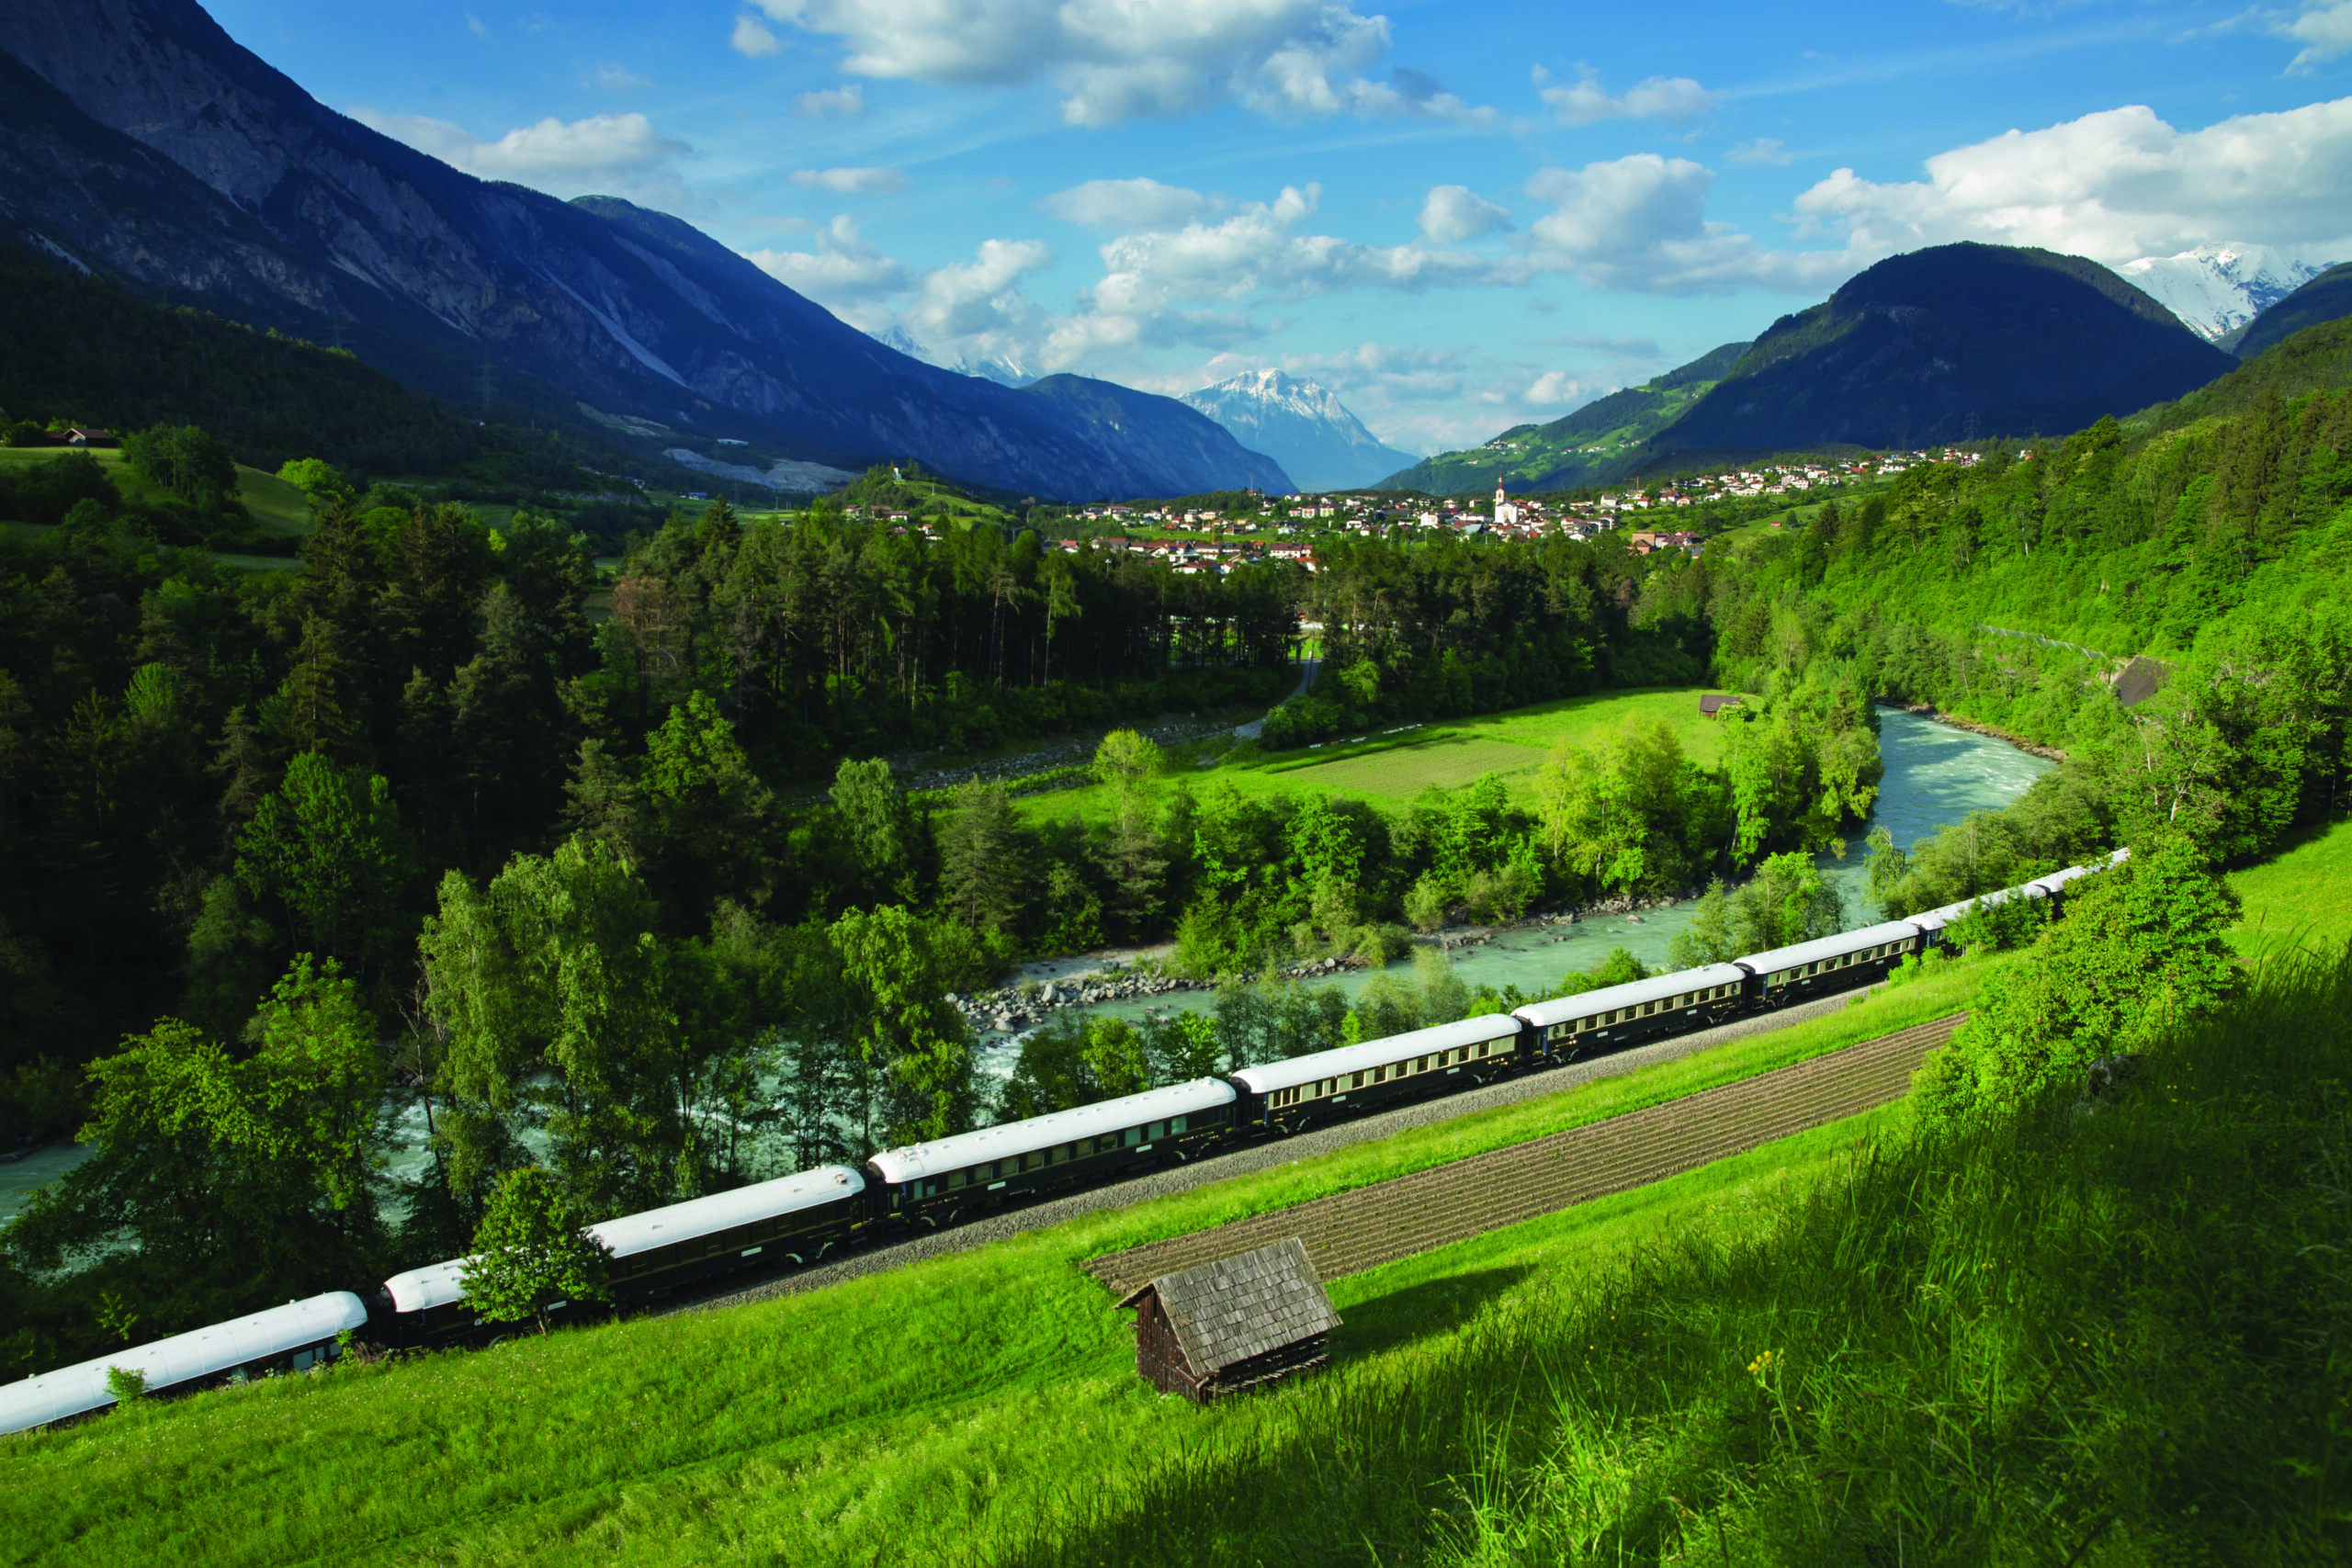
{"points": [[1236, 1324], [1711, 704]]}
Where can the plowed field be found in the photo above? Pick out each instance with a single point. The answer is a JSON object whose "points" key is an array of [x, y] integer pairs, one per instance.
{"points": [[1349, 1232]]}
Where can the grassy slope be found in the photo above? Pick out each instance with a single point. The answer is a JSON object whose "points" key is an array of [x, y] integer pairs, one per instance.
{"points": [[1392, 769], [276, 506], [2302, 896], [906, 1417]]}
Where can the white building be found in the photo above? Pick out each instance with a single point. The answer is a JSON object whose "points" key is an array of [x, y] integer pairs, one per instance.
{"points": [[1506, 509]]}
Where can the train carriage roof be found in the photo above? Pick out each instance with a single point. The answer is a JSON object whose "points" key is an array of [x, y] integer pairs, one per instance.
{"points": [[1837, 946], [2057, 879], [1268, 1077], [918, 1160], [438, 1284], [1937, 919], [199, 1353], [1632, 994]]}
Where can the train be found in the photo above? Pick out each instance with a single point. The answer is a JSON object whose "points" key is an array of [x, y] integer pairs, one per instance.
{"points": [[800, 1219]]}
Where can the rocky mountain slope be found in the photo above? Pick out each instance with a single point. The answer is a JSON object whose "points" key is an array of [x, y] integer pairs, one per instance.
{"points": [[1302, 425], [2326, 297], [2217, 290], [141, 141], [1948, 343], [1580, 448]]}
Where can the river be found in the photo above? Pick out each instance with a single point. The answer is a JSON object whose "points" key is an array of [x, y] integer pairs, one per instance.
{"points": [[1935, 775]]}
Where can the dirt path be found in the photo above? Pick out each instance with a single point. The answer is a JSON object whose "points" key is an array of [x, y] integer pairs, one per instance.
{"points": [[1349, 1232], [1246, 1159]]}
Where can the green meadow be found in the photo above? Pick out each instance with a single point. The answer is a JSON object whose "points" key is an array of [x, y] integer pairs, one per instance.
{"points": [[910, 1415], [1391, 768], [2300, 898], [276, 506], [2013, 1343]]}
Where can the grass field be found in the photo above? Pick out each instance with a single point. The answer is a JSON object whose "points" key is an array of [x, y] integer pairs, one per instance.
{"points": [[1392, 769], [2302, 896], [278, 507], [912, 1417]]}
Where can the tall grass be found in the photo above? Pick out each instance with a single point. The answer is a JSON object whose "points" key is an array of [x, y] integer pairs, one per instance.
{"points": [[2109, 1335]]}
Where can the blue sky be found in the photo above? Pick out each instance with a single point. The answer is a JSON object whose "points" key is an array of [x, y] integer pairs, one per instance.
{"points": [[1461, 214]]}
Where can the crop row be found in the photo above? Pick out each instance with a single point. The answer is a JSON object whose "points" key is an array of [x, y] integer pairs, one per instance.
{"points": [[1349, 1232]]}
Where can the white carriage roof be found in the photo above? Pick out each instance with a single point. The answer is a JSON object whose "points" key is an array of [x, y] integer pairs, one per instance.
{"points": [[438, 1284], [1937, 919], [1837, 946], [918, 1160], [199, 1353], [2058, 879], [1632, 994], [1268, 1077]]}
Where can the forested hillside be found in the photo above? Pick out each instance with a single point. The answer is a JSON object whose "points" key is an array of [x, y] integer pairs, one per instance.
{"points": [[84, 351], [2015, 593]]}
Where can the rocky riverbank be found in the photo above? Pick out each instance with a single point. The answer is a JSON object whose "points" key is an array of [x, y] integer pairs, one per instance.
{"points": [[1011, 1009]]}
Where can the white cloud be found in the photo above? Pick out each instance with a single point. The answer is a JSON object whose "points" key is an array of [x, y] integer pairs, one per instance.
{"points": [[1128, 204], [1555, 387], [474, 25], [1583, 102], [1452, 214], [2113, 186], [752, 39], [1639, 223], [852, 182], [1258, 252], [833, 103], [844, 273], [976, 311], [1118, 59], [1611, 347], [611, 78], [1762, 152], [613, 154], [2325, 32]]}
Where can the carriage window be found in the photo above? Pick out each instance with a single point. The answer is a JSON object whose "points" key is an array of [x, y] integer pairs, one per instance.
{"points": [[1176, 1124]]}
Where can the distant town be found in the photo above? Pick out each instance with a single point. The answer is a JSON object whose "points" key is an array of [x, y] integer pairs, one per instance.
{"points": [[1286, 528]]}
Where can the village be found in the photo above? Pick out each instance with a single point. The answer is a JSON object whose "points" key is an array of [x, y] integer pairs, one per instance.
{"points": [[1286, 528]]}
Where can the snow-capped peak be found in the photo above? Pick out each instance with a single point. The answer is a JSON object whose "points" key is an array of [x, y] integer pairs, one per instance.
{"points": [[1002, 368], [1302, 425], [2217, 289]]}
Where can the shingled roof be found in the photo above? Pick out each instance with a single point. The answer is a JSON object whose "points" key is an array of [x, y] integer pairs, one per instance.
{"points": [[1236, 1308]]}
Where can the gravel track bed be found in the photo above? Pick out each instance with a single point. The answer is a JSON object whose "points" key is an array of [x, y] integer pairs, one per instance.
{"points": [[1246, 1160], [1347, 1233]]}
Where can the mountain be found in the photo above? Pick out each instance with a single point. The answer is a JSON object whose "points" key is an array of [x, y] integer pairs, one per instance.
{"points": [[1948, 343], [142, 142], [2217, 290], [2326, 297], [1582, 447], [1003, 370], [1303, 427]]}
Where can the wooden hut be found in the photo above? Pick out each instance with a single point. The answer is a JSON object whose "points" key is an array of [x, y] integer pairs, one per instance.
{"points": [[1238, 1323], [1711, 704]]}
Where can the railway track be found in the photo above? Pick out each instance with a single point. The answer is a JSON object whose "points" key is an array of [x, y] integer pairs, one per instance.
{"points": [[1262, 1156], [1351, 1232]]}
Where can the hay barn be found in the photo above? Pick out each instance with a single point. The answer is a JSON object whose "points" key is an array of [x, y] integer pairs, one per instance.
{"points": [[1238, 1323]]}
